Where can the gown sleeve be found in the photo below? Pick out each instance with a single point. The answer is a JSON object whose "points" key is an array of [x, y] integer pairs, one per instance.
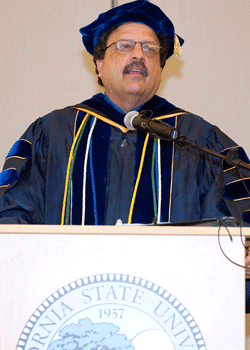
{"points": [[22, 181], [225, 174]]}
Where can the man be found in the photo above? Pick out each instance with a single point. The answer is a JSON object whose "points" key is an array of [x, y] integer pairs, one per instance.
{"points": [[81, 165]]}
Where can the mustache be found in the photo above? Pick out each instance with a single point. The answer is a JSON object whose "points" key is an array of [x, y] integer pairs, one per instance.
{"points": [[136, 64]]}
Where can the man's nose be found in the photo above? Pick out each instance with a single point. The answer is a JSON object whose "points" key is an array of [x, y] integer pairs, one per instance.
{"points": [[137, 52]]}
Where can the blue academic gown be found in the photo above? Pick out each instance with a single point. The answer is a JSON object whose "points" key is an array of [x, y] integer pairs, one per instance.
{"points": [[192, 185]]}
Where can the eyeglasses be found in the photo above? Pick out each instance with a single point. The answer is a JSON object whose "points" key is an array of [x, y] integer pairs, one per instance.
{"points": [[129, 45]]}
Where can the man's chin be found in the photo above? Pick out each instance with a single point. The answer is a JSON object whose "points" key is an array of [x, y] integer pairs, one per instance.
{"points": [[135, 84], [135, 90]]}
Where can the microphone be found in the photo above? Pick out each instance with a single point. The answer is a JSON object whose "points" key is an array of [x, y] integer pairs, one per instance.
{"points": [[135, 121]]}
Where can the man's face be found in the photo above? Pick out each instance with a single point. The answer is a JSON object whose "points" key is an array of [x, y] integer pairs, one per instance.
{"points": [[133, 74]]}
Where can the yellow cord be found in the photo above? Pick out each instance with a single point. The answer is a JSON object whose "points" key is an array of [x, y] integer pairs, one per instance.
{"points": [[138, 179], [106, 120], [171, 181], [68, 169]]}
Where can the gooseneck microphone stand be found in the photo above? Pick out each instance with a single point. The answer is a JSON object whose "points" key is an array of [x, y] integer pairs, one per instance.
{"points": [[231, 158]]}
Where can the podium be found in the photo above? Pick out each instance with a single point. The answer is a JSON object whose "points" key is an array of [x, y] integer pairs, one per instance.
{"points": [[126, 287]]}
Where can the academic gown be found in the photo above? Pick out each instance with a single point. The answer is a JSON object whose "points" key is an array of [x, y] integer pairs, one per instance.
{"points": [[116, 173]]}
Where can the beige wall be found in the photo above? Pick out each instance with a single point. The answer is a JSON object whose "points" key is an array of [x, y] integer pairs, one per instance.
{"points": [[43, 64]]}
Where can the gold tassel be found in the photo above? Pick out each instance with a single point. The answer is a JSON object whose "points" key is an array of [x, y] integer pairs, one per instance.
{"points": [[177, 46]]}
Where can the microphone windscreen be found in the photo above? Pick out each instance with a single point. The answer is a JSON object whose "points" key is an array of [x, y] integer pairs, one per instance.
{"points": [[128, 119]]}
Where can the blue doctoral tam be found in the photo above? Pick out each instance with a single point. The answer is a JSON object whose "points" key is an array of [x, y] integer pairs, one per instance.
{"points": [[140, 11]]}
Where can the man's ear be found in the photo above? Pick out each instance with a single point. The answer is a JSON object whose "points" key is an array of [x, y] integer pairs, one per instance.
{"points": [[99, 64]]}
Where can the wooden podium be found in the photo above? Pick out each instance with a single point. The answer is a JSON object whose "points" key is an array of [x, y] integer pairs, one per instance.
{"points": [[127, 287]]}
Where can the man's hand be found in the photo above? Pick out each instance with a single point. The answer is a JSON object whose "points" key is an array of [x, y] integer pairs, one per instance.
{"points": [[247, 263]]}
